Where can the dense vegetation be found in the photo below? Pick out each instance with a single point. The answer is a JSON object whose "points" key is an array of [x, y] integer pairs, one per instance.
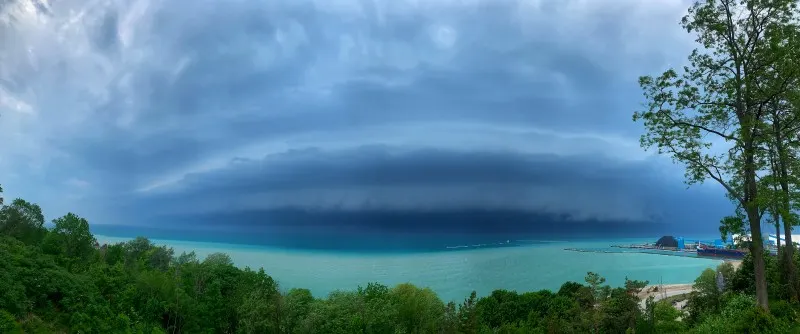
{"points": [[732, 115], [55, 279]]}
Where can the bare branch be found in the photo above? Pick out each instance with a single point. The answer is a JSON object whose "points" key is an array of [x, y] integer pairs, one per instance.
{"points": [[701, 127]]}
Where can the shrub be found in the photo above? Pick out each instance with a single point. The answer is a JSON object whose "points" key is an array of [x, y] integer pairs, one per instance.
{"points": [[8, 324]]}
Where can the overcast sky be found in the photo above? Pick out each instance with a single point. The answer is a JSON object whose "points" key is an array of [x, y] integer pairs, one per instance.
{"points": [[122, 110]]}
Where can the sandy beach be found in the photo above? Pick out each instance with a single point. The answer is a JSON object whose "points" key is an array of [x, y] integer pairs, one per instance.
{"points": [[663, 291]]}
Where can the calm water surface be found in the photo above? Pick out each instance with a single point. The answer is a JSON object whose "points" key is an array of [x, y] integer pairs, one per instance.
{"points": [[453, 273]]}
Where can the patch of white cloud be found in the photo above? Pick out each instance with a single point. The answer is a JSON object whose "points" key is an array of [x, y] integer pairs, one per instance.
{"points": [[77, 183], [9, 102], [647, 30], [444, 36]]}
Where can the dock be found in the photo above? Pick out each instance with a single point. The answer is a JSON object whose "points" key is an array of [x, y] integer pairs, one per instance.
{"points": [[622, 249], [672, 246]]}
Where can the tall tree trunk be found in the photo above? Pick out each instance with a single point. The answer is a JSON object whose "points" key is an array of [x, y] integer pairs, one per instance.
{"points": [[757, 252], [751, 206], [788, 251], [783, 177], [777, 233]]}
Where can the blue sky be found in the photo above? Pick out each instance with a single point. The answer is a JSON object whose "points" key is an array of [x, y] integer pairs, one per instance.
{"points": [[123, 111]]}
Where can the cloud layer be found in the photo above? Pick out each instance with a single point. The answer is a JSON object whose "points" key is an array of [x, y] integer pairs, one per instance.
{"points": [[394, 179], [126, 110]]}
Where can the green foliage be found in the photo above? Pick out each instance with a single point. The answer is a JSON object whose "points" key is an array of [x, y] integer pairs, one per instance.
{"points": [[13, 295], [595, 283], [720, 116], [260, 311], [298, 303], [740, 315], [22, 220], [784, 310], [70, 240], [468, 315], [418, 310], [138, 287], [667, 319], [727, 271], [135, 250], [706, 298], [8, 324], [620, 310], [742, 280], [64, 284]]}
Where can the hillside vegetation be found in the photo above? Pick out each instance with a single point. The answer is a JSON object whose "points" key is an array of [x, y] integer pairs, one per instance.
{"points": [[56, 280]]}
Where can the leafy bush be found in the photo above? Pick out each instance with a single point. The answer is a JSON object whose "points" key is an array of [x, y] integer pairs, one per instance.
{"points": [[783, 310], [8, 324]]}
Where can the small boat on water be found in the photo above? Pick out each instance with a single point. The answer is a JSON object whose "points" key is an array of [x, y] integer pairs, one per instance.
{"points": [[703, 250]]}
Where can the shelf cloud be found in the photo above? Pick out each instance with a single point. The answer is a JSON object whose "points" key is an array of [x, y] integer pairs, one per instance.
{"points": [[126, 111]]}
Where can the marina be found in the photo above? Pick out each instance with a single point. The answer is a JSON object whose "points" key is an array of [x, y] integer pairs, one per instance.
{"points": [[672, 246]]}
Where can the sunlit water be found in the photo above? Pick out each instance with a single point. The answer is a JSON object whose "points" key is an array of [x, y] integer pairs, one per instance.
{"points": [[452, 274]]}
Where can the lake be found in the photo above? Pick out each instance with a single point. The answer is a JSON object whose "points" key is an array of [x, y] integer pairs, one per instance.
{"points": [[524, 265]]}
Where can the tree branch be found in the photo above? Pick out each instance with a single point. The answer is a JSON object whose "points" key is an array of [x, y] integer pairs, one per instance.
{"points": [[716, 176], [718, 133]]}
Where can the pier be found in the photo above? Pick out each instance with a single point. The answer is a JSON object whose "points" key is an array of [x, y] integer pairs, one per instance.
{"points": [[672, 246], [635, 249]]}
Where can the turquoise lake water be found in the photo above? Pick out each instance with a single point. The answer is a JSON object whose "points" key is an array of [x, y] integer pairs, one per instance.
{"points": [[453, 274]]}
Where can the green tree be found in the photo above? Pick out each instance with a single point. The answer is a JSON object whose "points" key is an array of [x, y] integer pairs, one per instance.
{"points": [[418, 310], [298, 304], [185, 258], [450, 321], [595, 283], [341, 313], [12, 287], [598, 293], [779, 185], [22, 220], [8, 324], [708, 118], [740, 315], [135, 251], [468, 315], [260, 311], [159, 258], [377, 308], [500, 307], [667, 319], [706, 297], [218, 259], [620, 311], [113, 254], [71, 237], [727, 271]]}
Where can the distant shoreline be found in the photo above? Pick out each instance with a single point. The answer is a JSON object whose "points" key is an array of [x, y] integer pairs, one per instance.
{"points": [[385, 246], [662, 291]]}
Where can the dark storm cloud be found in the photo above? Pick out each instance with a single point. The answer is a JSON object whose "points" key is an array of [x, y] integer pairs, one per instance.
{"points": [[389, 179], [343, 105]]}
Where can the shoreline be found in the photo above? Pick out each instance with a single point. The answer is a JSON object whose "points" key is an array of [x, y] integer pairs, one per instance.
{"points": [[663, 291], [453, 274]]}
